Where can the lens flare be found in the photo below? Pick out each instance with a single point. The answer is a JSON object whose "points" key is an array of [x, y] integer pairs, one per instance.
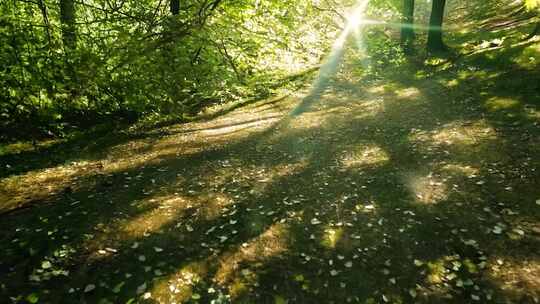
{"points": [[355, 20]]}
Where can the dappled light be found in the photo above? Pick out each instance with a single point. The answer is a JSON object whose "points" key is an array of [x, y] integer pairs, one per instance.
{"points": [[164, 211], [272, 242], [518, 275], [355, 151], [364, 155], [408, 93], [331, 237], [179, 287], [529, 56], [460, 169], [533, 114], [498, 103], [428, 189], [18, 190], [458, 133]]}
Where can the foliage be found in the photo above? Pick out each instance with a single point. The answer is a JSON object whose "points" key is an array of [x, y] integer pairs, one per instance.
{"points": [[532, 4], [133, 58], [404, 179]]}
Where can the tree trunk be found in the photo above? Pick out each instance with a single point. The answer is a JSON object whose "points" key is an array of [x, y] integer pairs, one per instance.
{"points": [[175, 7], [407, 30], [45, 15], [67, 18], [435, 42]]}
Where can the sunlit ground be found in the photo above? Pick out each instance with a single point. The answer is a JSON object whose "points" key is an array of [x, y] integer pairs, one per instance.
{"points": [[402, 189]]}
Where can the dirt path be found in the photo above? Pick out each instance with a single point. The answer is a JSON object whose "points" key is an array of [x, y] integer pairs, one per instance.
{"points": [[401, 189]]}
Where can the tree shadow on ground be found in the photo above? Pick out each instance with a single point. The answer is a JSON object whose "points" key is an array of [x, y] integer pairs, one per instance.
{"points": [[93, 144], [390, 192], [417, 187]]}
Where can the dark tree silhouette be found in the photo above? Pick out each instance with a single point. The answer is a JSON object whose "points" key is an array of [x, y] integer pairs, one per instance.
{"points": [[407, 30], [435, 41]]}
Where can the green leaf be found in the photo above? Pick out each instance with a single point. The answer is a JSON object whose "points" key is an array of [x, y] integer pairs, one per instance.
{"points": [[32, 298], [279, 300], [46, 265], [118, 287]]}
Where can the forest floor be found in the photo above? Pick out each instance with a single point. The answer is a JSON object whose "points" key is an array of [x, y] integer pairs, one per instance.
{"points": [[419, 185]]}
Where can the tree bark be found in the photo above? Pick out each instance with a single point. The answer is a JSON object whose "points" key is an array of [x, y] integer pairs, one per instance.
{"points": [[175, 7], [45, 15], [407, 30], [435, 41], [67, 18]]}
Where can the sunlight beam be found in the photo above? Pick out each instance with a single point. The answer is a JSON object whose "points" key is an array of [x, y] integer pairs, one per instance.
{"points": [[329, 68], [355, 23]]}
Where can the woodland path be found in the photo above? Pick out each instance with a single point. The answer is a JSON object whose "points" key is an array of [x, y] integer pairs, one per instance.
{"points": [[385, 189]]}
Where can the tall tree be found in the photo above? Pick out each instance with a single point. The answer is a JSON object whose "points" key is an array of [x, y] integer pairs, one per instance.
{"points": [[175, 7], [407, 30], [45, 15], [435, 41], [67, 18]]}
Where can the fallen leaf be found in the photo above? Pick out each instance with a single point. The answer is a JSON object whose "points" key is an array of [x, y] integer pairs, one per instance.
{"points": [[519, 231], [89, 287], [279, 300], [32, 298], [141, 288], [46, 265], [118, 287]]}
